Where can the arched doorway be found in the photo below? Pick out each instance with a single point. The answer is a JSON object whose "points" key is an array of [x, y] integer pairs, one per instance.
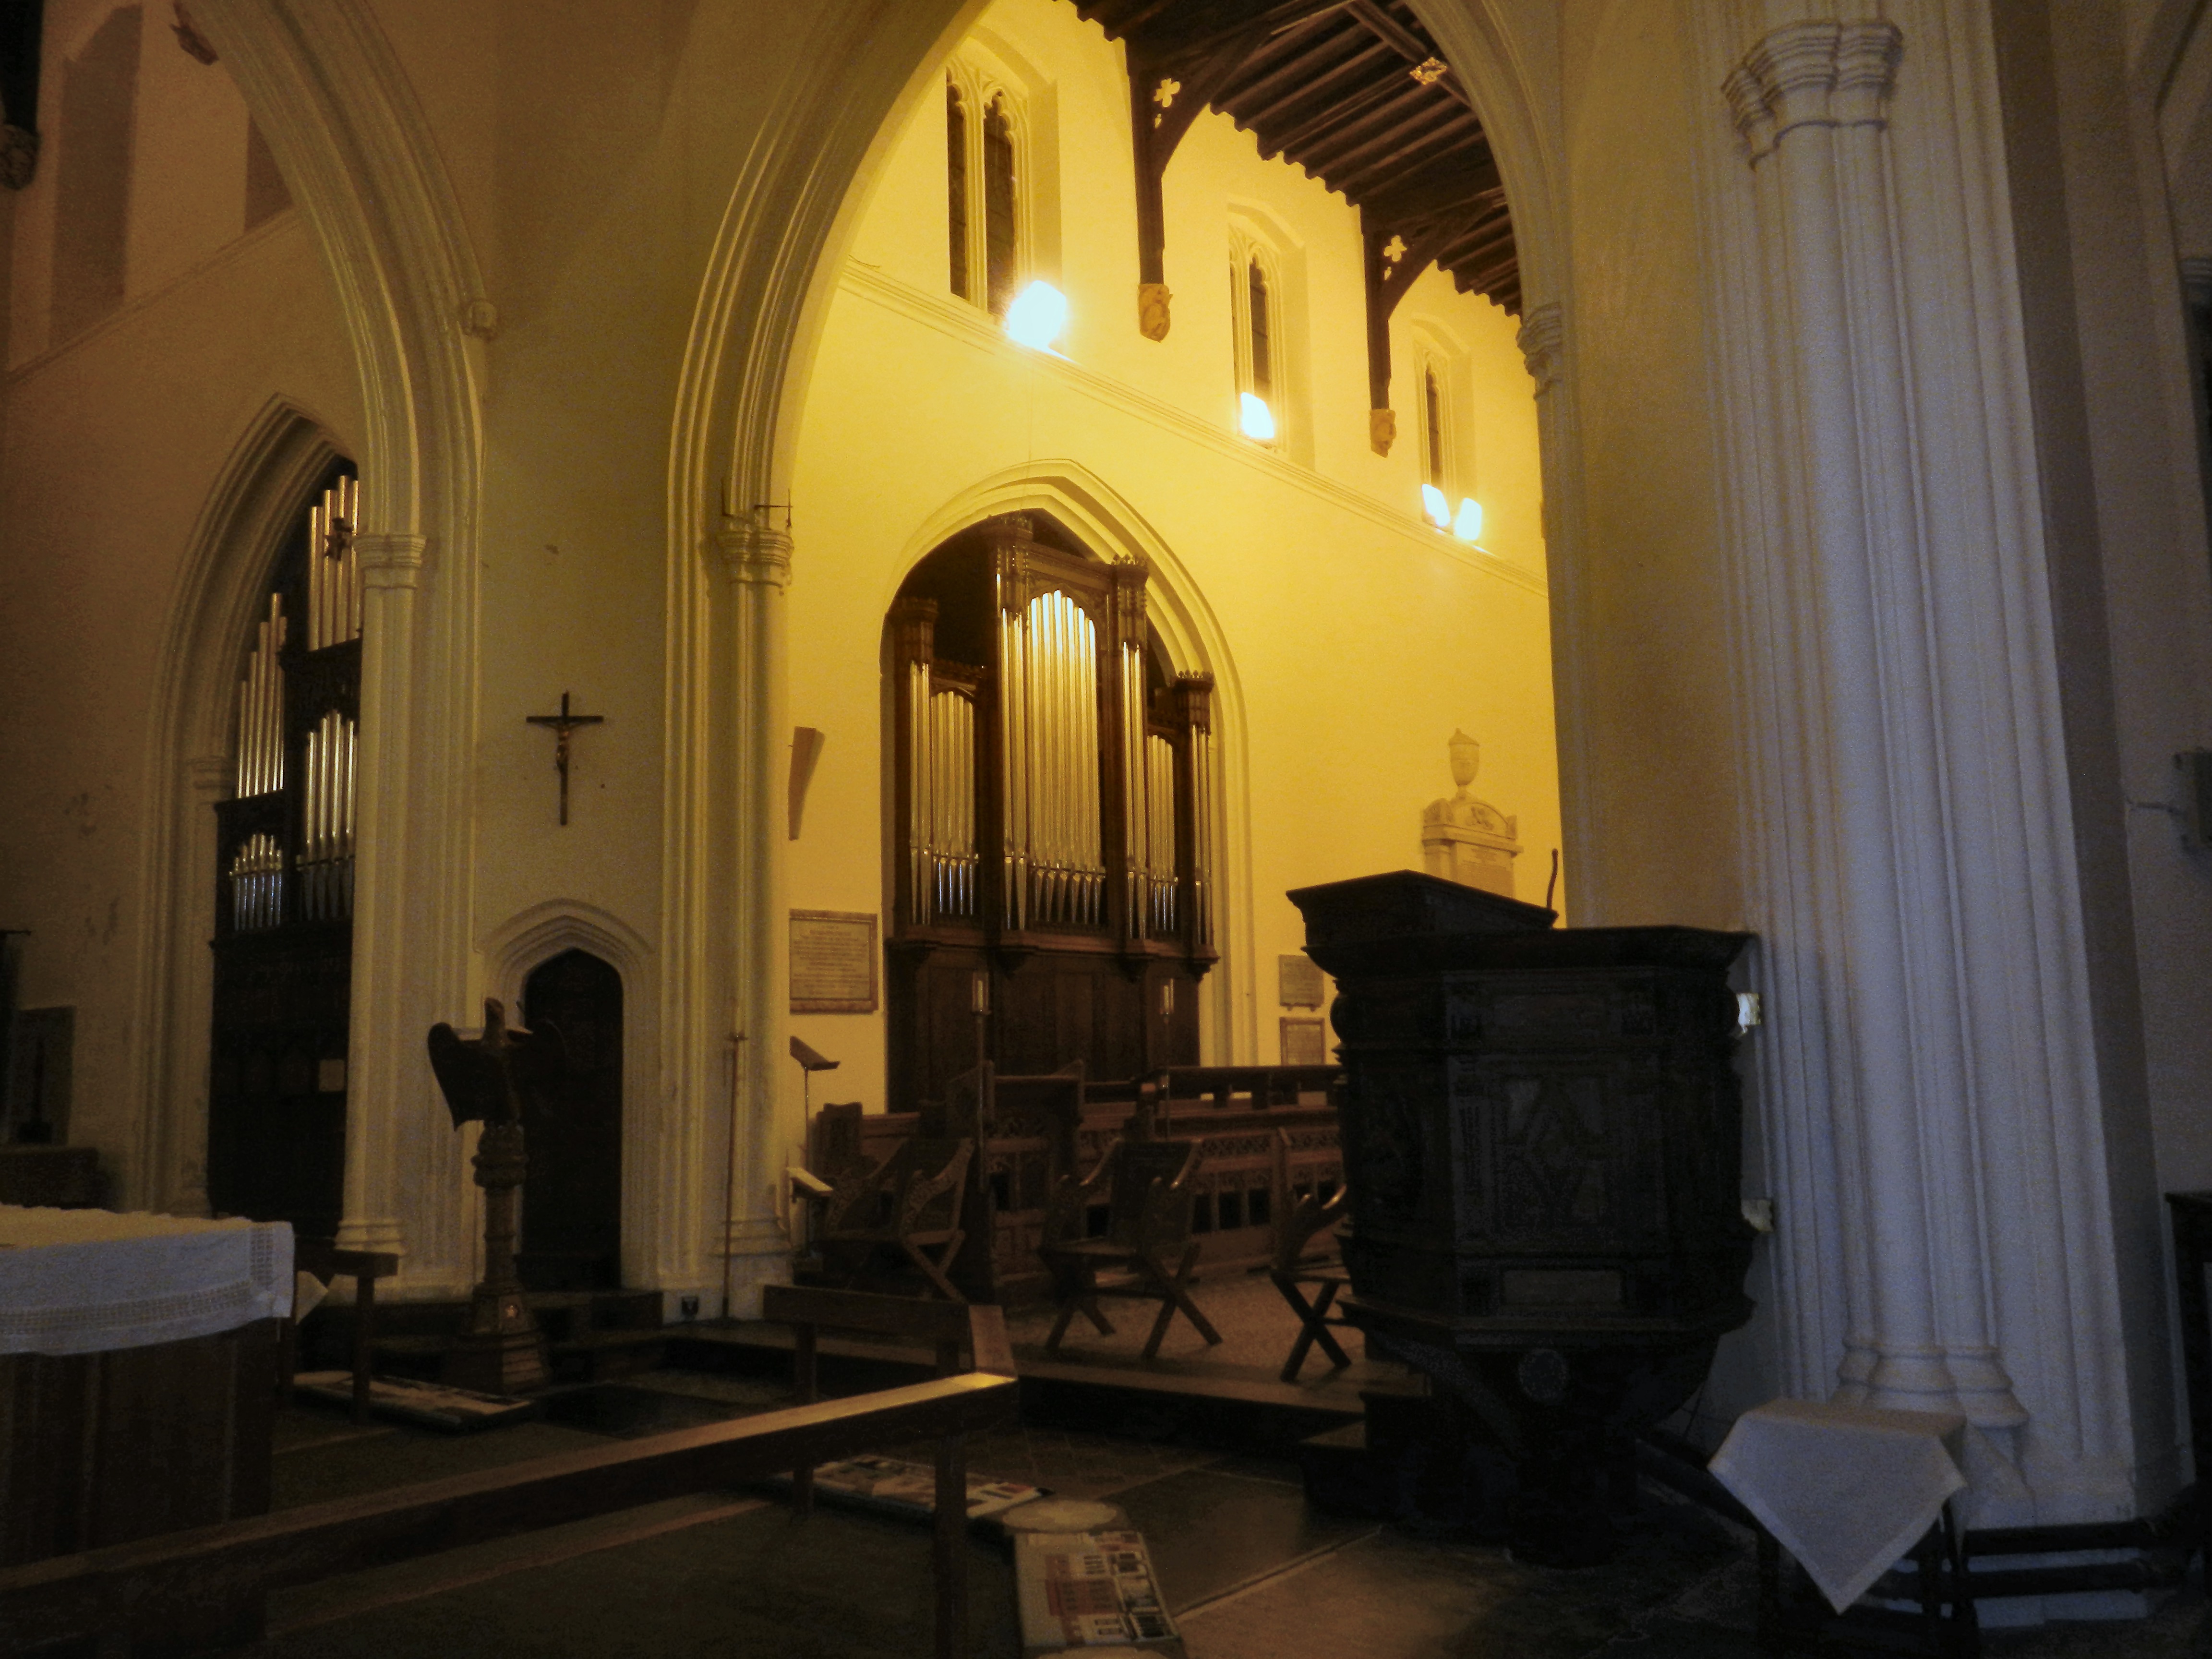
{"points": [[571, 1197]]}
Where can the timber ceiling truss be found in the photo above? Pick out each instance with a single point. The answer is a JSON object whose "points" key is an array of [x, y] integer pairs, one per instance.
{"points": [[1355, 93]]}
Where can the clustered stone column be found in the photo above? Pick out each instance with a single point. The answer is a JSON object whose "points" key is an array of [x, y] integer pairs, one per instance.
{"points": [[756, 569], [379, 1106]]}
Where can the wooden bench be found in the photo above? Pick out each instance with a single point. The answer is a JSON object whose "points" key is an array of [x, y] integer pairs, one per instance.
{"points": [[324, 1259], [215, 1577]]}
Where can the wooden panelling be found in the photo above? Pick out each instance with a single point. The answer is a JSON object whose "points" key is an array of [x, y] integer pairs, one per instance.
{"points": [[102, 1448]]}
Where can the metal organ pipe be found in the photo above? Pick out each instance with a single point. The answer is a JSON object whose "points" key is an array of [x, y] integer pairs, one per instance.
{"points": [[1159, 832], [261, 708], [333, 568], [918, 785]]}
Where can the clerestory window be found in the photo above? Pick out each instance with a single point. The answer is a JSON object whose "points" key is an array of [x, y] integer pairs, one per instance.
{"points": [[983, 145], [1256, 311]]}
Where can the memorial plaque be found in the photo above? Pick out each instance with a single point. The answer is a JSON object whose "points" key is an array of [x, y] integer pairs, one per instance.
{"points": [[1305, 1042], [832, 961], [1300, 982]]}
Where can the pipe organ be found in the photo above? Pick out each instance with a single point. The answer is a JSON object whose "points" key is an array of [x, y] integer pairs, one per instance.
{"points": [[284, 887], [1053, 815]]}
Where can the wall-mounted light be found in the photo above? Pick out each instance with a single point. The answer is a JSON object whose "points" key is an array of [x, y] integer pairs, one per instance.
{"points": [[1255, 419], [1435, 507], [1468, 526], [1038, 313]]}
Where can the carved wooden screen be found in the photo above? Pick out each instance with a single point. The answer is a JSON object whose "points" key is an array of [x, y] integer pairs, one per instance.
{"points": [[283, 944], [1051, 814]]}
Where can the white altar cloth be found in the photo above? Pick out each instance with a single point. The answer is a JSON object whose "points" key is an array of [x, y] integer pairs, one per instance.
{"points": [[86, 1281], [1848, 1490]]}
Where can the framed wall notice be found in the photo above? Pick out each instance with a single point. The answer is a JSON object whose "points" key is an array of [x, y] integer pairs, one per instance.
{"points": [[1299, 982], [832, 961], [1305, 1042]]}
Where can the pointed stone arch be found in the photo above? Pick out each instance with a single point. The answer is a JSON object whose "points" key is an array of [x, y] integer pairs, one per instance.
{"points": [[1110, 524], [360, 158], [762, 301], [224, 578]]}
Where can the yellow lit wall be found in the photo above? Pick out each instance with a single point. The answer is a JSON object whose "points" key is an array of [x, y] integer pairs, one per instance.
{"points": [[1349, 638]]}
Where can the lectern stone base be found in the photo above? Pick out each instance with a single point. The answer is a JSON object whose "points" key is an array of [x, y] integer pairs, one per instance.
{"points": [[502, 1352]]}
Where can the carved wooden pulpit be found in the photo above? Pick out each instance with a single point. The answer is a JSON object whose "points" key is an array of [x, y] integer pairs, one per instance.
{"points": [[1541, 1142], [484, 1078]]}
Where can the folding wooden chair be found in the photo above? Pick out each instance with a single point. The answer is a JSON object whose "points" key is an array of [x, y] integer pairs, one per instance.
{"points": [[1147, 1185], [910, 1206], [1289, 1271]]}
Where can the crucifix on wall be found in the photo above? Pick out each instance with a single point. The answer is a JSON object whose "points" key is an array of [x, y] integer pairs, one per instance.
{"points": [[562, 724]]}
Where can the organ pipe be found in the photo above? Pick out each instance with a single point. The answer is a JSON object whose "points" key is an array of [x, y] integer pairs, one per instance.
{"points": [[333, 568], [1056, 868], [1158, 837], [261, 707], [1073, 737], [322, 813]]}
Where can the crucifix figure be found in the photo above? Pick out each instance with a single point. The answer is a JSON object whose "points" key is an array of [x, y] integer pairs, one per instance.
{"points": [[562, 724]]}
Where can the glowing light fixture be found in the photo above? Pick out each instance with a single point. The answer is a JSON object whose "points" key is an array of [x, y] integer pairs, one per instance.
{"points": [[1036, 316], [1255, 419], [1433, 504], [1468, 526]]}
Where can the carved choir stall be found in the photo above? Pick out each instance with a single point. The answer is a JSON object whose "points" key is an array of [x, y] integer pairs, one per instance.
{"points": [[1541, 1145], [1053, 818]]}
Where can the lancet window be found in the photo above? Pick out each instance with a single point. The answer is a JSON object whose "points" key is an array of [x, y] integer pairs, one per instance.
{"points": [[985, 208], [1257, 321], [1053, 818], [1432, 426], [955, 195]]}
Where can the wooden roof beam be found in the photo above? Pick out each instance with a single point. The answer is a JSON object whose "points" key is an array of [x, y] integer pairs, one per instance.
{"points": [[1402, 150], [1388, 278], [1436, 191], [1288, 85], [1474, 251], [1407, 45], [1389, 119], [1296, 143], [1272, 26]]}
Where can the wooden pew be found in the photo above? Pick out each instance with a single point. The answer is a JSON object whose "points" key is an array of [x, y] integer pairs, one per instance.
{"points": [[204, 1577]]}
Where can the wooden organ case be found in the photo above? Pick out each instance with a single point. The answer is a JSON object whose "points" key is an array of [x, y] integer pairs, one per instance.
{"points": [[283, 943], [1052, 812]]}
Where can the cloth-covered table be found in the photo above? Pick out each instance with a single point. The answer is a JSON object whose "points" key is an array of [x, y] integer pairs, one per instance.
{"points": [[1847, 1490], [91, 1281]]}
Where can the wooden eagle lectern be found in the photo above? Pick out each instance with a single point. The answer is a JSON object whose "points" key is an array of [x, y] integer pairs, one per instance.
{"points": [[483, 1078]]}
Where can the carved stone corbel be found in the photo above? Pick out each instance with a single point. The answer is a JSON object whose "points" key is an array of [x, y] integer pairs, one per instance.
{"points": [[1153, 319]]}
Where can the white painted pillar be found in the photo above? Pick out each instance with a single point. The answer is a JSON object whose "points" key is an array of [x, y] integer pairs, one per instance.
{"points": [[1543, 343], [756, 569], [1936, 1124], [381, 1106]]}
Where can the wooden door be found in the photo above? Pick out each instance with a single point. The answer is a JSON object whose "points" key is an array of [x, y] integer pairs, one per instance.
{"points": [[571, 1197]]}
